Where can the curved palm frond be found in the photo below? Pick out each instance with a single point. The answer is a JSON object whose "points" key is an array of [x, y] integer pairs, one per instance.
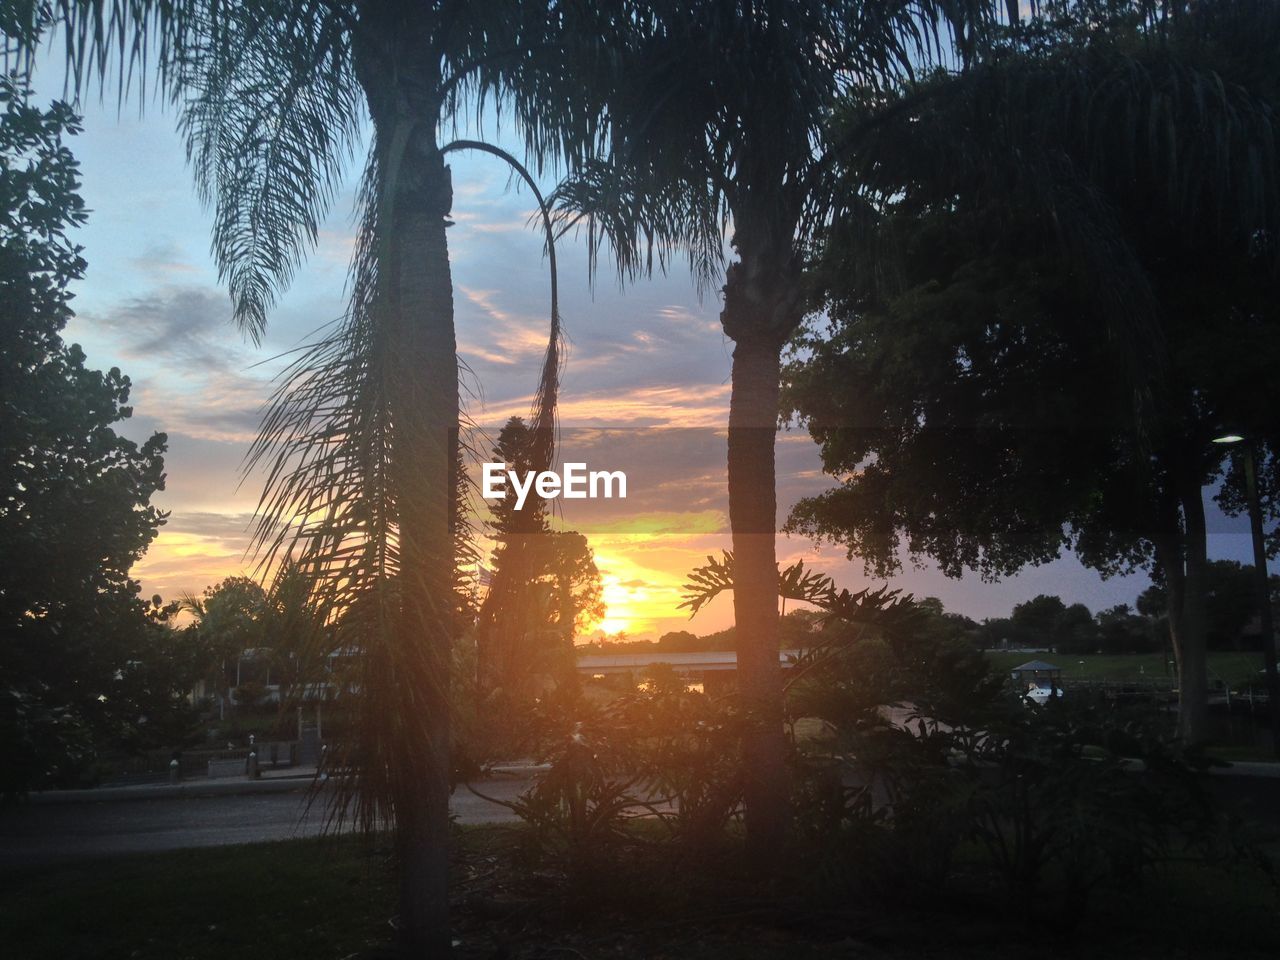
{"points": [[330, 504], [548, 391]]}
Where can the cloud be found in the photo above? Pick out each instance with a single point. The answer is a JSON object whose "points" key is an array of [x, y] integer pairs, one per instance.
{"points": [[499, 226], [335, 246], [491, 332], [657, 524], [669, 404], [685, 318], [194, 550], [192, 372], [221, 408], [163, 261], [175, 324]]}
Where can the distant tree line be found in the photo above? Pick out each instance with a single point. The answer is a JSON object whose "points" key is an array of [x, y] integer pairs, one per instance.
{"points": [[1044, 621]]}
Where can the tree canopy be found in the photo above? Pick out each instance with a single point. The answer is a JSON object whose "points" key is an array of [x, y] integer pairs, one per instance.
{"points": [[1057, 290], [80, 651], [545, 588]]}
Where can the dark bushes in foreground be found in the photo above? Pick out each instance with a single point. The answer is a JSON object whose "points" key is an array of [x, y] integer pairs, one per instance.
{"points": [[961, 791]]}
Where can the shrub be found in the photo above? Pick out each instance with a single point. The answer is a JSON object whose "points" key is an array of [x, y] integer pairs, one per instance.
{"points": [[663, 752], [577, 808]]}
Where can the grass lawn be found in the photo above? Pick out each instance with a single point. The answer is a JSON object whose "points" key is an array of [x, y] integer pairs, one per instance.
{"points": [[331, 899], [298, 898]]}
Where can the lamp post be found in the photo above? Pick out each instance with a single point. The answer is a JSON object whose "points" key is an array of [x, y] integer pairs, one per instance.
{"points": [[1249, 454]]}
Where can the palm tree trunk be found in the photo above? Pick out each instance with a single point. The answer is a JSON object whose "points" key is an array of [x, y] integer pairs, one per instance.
{"points": [[753, 416], [424, 388]]}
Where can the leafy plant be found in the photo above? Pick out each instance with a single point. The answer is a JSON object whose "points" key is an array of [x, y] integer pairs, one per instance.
{"points": [[688, 748], [578, 806], [1087, 793]]}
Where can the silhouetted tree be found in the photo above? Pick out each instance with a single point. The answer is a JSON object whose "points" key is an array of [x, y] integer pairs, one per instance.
{"points": [[81, 654], [1058, 289], [544, 590], [1230, 599], [227, 620]]}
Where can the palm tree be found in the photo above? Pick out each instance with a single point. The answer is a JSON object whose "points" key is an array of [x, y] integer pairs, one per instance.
{"points": [[360, 442], [1144, 146], [718, 126], [295, 629], [226, 620]]}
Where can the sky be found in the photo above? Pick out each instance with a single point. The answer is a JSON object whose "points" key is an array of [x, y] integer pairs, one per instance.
{"points": [[645, 388]]}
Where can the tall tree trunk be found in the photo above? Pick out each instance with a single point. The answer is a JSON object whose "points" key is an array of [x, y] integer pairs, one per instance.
{"points": [[424, 391], [763, 305], [398, 68], [1180, 550], [753, 417], [1193, 673], [1169, 557]]}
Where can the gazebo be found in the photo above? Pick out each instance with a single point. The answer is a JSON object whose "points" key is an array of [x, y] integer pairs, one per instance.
{"points": [[1037, 673]]}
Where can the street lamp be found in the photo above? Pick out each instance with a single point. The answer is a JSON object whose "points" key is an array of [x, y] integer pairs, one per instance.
{"points": [[1249, 451]]}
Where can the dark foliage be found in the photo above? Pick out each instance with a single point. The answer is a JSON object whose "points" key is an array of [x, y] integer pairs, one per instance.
{"points": [[87, 664]]}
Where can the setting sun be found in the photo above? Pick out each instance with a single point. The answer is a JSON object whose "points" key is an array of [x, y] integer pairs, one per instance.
{"points": [[610, 626]]}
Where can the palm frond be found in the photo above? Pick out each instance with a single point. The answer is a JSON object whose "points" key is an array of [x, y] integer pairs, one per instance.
{"points": [[717, 117], [268, 104], [270, 109], [645, 220], [882, 606], [707, 582], [329, 503], [547, 394], [105, 40]]}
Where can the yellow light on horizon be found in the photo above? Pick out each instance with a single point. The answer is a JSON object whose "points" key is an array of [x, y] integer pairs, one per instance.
{"points": [[612, 625]]}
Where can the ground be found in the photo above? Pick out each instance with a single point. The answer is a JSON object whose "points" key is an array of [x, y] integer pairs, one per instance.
{"points": [[332, 899], [40, 833], [86, 880]]}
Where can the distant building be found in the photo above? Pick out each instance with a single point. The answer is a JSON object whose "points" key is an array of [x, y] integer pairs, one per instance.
{"points": [[1037, 673]]}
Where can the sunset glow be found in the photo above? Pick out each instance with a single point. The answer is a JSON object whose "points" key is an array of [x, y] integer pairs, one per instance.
{"points": [[650, 357]]}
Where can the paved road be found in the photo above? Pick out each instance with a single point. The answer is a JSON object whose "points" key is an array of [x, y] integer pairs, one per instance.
{"points": [[52, 833], [36, 834]]}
